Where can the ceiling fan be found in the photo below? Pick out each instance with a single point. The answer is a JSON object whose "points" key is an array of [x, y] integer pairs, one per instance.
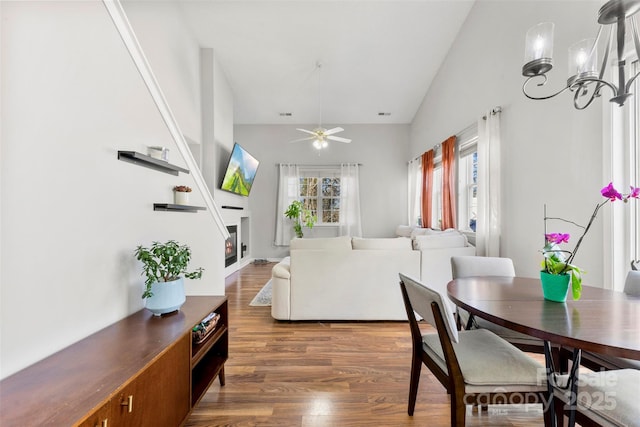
{"points": [[321, 136]]}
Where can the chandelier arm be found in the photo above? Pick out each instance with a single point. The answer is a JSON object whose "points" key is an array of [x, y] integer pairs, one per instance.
{"points": [[600, 82], [524, 87], [579, 92], [605, 60], [634, 32], [630, 82]]}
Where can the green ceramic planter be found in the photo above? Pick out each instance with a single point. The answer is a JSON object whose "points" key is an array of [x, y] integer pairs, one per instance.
{"points": [[554, 286]]}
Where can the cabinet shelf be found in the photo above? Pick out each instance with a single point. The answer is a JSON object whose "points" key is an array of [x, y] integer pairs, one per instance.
{"points": [[198, 351], [177, 208], [149, 162]]}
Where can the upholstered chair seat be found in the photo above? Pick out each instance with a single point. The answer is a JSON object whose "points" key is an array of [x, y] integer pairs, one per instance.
{"points": [[476, 366], [608, 398]]}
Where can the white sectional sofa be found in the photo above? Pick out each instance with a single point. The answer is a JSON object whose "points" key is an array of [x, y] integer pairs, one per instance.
{"points": [[346, 278]]}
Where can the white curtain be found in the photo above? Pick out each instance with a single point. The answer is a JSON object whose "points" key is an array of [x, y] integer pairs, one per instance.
{"points": [[488, 221], [414, 189], [350, 223], [288, 191]]}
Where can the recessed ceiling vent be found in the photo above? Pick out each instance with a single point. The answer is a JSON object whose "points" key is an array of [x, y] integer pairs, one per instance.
{"points": [[285, 114], [384, 114]]}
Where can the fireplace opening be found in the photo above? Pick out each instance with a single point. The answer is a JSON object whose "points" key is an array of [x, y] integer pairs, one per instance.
{"points": [[231, 246]]}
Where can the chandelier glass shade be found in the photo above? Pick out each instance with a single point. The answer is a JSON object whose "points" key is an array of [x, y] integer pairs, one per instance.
{"points": [[618, 26]]}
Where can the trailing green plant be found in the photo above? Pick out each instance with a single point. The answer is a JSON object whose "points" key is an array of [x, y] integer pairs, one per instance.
{"points": [[301, 216], [165, 262]]}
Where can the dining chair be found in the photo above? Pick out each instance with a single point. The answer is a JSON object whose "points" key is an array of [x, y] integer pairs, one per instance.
{"points": [[476, 367], [602, 398], [597, 361], [470, 266]]}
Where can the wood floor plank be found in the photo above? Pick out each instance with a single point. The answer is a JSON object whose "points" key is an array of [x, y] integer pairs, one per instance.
{"points": [[312, 374]]}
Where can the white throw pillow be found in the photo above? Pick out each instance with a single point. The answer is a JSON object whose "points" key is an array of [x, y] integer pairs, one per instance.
{"points": [[451, 240], [402, 243], [332, 243], [404, 230]]}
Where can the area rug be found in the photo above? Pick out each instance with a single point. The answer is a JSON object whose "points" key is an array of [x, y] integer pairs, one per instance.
{"points": [[262, 298]]}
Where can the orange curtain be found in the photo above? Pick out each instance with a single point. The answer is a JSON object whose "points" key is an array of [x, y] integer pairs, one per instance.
{"points": [[427, 188], [448, 183]]}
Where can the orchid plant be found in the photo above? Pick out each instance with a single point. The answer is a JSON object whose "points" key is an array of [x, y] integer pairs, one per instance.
{"points": [[560, 261]]}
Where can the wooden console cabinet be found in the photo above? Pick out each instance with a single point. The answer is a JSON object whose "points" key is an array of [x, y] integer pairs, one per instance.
{"points": [[140, 371]]}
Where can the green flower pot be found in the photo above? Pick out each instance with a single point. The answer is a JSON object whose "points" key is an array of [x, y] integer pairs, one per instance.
{"points": [[554, 286]]}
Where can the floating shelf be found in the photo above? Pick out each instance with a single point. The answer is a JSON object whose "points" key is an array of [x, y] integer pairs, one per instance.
{"points": [[149, 162], [177, 208]]}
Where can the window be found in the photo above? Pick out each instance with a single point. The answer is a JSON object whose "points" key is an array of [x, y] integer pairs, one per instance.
{"points": [[622, 165], [468, 179], [467, 170], [320, 193]]}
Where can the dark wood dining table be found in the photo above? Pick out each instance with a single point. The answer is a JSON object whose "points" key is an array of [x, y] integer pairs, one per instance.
{"points": [[601, 321]]}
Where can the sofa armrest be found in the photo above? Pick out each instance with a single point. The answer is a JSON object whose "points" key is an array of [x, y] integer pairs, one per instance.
{"points": [[280, 290]]}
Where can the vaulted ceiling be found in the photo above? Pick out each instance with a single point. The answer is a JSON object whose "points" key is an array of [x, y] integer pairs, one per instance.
{"points": [[376, 56]]}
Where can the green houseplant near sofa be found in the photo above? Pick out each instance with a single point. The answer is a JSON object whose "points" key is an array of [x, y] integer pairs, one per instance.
{"points": [[163, 265], [301, 216]]}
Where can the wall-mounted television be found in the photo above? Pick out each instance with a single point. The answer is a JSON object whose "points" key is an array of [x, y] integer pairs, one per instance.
{"points": [[241, 171]]}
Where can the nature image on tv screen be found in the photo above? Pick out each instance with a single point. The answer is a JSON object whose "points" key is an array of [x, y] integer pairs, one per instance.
{"points": [[241, 172]]}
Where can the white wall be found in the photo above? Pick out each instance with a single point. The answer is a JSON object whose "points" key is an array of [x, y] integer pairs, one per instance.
{"points": [[551, 153], [72, 214], [381, 149]]}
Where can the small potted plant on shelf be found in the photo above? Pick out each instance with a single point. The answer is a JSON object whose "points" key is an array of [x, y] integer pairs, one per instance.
{"points": [[164, 265], [301, 216], [181, 194]]}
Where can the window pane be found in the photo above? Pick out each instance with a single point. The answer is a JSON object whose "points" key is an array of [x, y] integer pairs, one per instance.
{"points": [[330, 187]]}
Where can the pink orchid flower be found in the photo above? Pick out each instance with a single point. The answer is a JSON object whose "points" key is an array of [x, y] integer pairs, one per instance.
{"points": [[611, 193], [557, 237], [635, 192]]}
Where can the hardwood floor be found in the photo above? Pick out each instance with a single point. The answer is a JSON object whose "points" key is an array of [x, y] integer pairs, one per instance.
{"points": [[325, 374]]}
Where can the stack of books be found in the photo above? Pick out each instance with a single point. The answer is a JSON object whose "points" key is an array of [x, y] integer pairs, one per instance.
{"points": [[202, 330]]}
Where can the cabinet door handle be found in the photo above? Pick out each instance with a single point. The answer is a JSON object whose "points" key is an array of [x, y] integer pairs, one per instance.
{"points": [[105, 422], [128, 403]]}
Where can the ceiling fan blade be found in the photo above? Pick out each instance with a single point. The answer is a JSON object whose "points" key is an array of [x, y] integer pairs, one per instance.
{"points": [[307, 131], [339, 139], [303, 139], [334, 130]]}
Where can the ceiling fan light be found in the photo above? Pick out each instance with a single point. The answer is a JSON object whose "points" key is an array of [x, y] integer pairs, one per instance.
{"points": [[316, 145], [325, 144]]}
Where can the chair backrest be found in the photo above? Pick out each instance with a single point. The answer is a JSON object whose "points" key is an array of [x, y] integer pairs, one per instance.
{"points": [[632, 283], [420, 299], [469, 266]]}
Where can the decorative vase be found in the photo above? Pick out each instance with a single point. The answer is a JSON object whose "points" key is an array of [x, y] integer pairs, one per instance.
{"points": [[167, 297], [181, 198], [554, 286]]}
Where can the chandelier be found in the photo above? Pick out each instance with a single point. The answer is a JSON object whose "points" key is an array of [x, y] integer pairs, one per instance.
{"points": [[585, 79]]}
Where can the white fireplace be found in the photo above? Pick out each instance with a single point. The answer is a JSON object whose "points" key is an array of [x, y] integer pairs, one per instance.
{"points": [[238, 246]]}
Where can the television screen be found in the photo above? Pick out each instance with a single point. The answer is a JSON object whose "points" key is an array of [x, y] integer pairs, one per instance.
{"points": [[241, 170]]}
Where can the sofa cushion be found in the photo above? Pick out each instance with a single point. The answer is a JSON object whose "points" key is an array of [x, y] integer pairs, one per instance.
{"points": [[432, 232], [447, 240], [402, 243], [332, 243]]}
